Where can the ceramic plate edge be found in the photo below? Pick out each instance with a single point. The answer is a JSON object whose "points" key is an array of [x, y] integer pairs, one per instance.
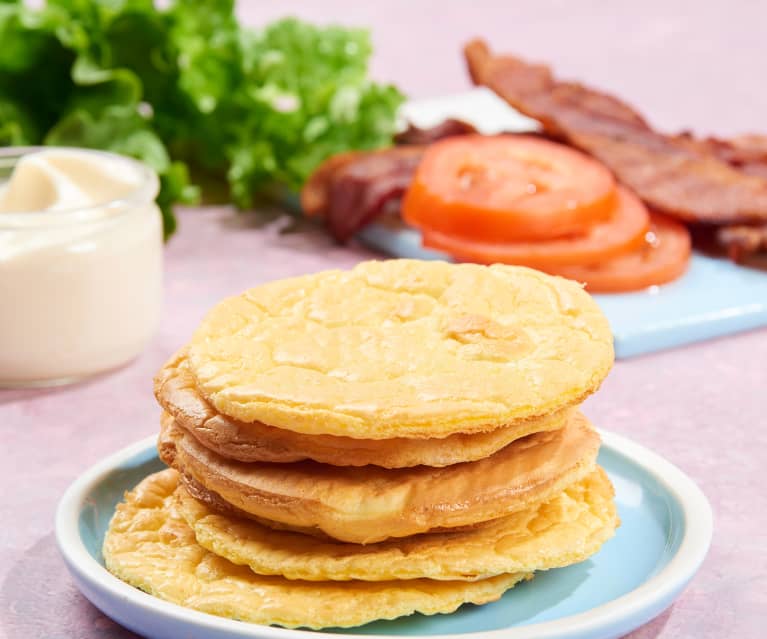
{"points": [[653, 596]]}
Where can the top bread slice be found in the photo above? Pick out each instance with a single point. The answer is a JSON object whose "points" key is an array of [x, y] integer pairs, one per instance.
{"points": [[402, 348]]}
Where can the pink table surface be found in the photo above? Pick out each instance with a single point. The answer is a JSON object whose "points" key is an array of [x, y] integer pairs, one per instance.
{"points": [[685, 64]]}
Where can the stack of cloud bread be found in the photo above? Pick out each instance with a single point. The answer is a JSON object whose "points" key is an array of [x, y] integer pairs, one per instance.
{"points": [[359, 445]]}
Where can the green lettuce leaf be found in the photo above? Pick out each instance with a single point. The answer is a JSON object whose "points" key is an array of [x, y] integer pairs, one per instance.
{"points": [[306, 96], [185, 85], [16, 128]]}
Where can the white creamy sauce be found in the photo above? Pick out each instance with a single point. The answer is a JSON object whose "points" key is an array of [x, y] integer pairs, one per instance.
{"points": [[60, 180], [80, 265]]}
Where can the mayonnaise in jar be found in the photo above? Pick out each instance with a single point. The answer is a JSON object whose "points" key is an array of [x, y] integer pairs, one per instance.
{"points": [[80, 263]]}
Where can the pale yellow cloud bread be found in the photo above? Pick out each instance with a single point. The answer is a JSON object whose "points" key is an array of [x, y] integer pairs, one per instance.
{"points": [[150, 546], [176, 392], [370, 504], [562, 531], [402, 348]]}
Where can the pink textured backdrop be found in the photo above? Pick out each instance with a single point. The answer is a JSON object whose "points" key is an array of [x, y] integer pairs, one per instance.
{"points": [[685, 64]]}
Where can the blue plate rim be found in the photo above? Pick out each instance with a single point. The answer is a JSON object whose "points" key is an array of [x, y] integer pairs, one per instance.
{"points": [[641, 604]]}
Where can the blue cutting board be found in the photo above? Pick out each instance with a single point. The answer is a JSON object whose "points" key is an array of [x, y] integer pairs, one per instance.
{"points": [[714, 298]]}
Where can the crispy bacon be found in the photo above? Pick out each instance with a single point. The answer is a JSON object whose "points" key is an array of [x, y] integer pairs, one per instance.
{"points": [[693, 180], [747, 152], [445, 129], [351, 190], [741, 240], [315, 194]]}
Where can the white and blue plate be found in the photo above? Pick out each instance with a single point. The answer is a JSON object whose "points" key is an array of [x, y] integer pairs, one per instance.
{"points": [[663, 538]]}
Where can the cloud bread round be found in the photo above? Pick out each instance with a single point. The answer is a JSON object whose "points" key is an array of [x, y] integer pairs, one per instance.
{"points": [[369, 504], [564, 530], [176, 392], [150, 546], [402, 348]]}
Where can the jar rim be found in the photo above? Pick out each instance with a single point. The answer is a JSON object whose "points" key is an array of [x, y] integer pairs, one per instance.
{"points": [[144, 193]]}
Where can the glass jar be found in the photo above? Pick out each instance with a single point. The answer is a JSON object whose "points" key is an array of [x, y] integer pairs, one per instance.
{"points": [[80, 288]]}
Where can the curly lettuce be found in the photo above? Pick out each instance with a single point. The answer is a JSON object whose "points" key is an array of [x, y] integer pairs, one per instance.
{"points": [[188, 86]]}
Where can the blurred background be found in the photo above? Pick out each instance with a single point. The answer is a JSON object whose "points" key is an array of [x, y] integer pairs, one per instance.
{"points": [[684, 64]]}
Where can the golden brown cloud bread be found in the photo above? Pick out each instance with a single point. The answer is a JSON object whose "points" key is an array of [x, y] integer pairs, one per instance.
{"points": [[562, 531], [176, 392], [369, 504], [402, 348], [150, 546]]}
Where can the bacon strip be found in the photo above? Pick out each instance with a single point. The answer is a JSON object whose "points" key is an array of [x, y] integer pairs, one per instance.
{"points": [[747, 152], [740, 240], [676, 175], [445, 129], [352, 189]]}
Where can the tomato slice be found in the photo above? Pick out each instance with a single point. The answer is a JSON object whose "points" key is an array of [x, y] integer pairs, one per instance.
{"points": [[624, 232], [507, 188], [662, 258]]}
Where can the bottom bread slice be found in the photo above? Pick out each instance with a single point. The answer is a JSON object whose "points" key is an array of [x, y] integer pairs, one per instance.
{"points": [[149, 545]]}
